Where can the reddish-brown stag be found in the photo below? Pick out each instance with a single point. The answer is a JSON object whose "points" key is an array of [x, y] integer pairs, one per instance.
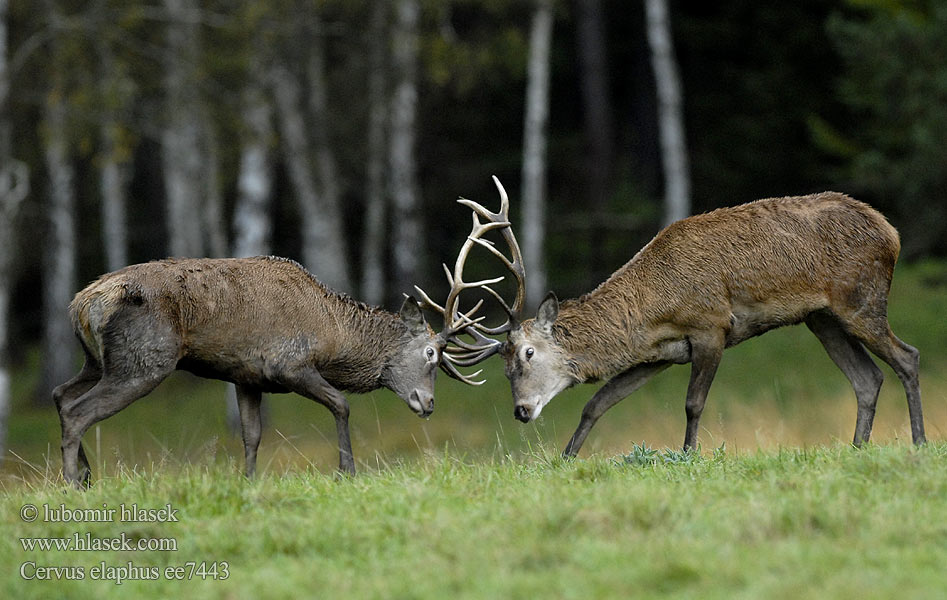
{"points": [[709, 282]]}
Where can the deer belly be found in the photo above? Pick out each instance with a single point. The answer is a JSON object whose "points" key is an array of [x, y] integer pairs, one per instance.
{"points": [[748, 321], [241, 372]]}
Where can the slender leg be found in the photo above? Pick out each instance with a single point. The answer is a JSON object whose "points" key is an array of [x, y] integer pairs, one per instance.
{"points": [[308, 382], [68, 392], [877, 336], [105, 399], [610, 394], [248, 401], [706, 352], [851, 357]]}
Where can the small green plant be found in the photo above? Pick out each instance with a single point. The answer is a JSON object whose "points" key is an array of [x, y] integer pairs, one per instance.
{"points": [[642, 455]]}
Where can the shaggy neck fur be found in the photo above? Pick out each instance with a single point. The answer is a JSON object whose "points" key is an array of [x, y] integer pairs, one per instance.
{"points": [[604, 345]]}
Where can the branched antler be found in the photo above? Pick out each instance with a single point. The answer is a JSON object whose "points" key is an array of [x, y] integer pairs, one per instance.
{"points": [[456, 323]]}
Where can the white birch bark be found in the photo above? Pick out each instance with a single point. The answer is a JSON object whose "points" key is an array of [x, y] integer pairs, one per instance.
{"points": [[677, 202], [534, 151], [115, 166], [181, 137], [407, 233], [114, 220], [59, 273], [252, 222], [323, 242], [373, 237]]}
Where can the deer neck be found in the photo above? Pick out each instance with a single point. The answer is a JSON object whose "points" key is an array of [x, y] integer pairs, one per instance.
{"points": [[602, 332], [361, 341]]}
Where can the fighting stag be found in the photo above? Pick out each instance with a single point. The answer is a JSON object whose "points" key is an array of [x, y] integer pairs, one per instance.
{"points": [[709, 282], [264, 323]]}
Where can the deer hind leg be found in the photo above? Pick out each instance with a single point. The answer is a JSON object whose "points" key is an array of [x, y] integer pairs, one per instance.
{"points": [[106, 398], [706, 351], [139, 353], [251, 424], [875, 333], [67, 393], [850, 356], [607, 396]]}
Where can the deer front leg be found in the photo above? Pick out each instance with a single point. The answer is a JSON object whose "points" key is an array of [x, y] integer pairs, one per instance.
{"points": [[706, 351], [251, 424], [309, 383], [610, 394]]}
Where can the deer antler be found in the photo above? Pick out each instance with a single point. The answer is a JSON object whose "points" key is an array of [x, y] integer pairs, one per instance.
{"points": [[456, 323]]}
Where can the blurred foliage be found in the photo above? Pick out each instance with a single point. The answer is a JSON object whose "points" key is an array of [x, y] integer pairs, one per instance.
{"points": [[895, 83]]}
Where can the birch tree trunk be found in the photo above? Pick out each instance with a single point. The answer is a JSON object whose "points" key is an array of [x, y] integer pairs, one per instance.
{"points": [[181, 137], [534, 151], [252, 223], [14, 186], [323, 239], [115, 163], [677, 202], [407, 234], [59, 272], [373, 237]]}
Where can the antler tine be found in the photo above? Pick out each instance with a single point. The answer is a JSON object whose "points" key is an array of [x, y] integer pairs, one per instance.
{"points": [[469, 360], [458, 323], [451, 370]]}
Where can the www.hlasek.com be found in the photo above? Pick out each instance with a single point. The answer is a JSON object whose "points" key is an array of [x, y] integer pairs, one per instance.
{"points": [[86, 542]]}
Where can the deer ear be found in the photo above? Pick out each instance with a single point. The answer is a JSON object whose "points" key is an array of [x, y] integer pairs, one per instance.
{"points": [[547, 313], [411, 315]]}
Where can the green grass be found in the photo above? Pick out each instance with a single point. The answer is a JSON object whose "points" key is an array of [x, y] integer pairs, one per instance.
{"points": [[828, 522]]}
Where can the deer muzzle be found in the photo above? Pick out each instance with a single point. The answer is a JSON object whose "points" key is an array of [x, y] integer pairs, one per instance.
{"points": [[523, 413], [422, 403]]}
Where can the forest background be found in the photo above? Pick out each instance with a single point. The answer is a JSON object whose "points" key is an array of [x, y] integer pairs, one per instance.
{"points": [[339, 133]]}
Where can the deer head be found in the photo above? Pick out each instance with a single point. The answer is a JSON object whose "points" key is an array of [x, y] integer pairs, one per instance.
{"points": [[536, 364], [410, 372]]}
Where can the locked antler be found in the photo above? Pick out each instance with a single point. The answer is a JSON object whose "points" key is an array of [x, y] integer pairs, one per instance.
{"points": [[457, 323]]}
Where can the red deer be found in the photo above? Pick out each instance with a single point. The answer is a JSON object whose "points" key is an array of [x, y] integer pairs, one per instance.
{"points": [[709, 282], [264, 323]]}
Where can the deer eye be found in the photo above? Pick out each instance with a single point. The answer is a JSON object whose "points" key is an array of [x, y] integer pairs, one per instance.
{"points": [[430, 353], [529, 353]]}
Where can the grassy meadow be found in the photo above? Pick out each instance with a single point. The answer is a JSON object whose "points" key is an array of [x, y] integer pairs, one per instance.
{"points": [[471, 503]]}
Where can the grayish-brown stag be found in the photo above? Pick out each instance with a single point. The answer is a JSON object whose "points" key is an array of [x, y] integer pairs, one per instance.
{"points": [[709, 282], [264, 323]]}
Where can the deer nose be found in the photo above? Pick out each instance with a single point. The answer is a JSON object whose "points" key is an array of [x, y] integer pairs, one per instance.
{"points": [[425, 403], [521, 413]]}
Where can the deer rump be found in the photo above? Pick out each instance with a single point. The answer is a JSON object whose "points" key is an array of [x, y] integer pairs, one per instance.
{"points": [[235, 320]]}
